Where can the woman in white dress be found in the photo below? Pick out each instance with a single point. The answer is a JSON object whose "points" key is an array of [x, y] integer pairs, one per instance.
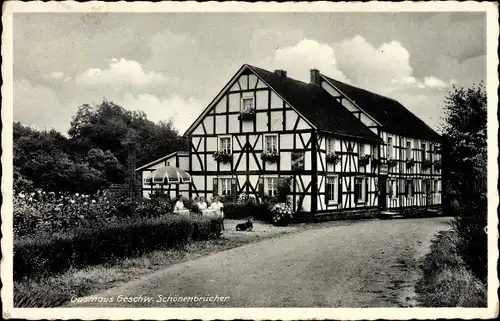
{"points": [[217, 206], [179, 207]]}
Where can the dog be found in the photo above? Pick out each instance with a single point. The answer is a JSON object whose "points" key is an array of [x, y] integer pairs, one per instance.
{"points": [[247, 226]]}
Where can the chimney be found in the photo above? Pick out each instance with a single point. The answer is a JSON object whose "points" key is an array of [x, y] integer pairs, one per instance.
{"points": [[280, 72], [315, 77]]}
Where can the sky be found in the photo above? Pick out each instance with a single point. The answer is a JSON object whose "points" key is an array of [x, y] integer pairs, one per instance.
{"points": [[171, 65]]}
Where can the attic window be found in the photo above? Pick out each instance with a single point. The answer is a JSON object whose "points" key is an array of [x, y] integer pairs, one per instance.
{"points": [[247, 104]]}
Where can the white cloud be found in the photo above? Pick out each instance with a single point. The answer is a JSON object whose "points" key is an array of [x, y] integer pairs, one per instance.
{"points": [[305, 55], [123, 74], [181, 110], [56, 75], [433, 82]]}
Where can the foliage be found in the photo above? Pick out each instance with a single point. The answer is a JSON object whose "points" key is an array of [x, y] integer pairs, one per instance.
{"points": [[270, 156], [465, 159], [410, 163], [375, 162], [95, 154], [222, 156], [446, 282], [437, 165], [53, 253], [333, 158], [391, 162], [364, 160], [284, 184], [282, 214], [50, 212], [426, 164], [247, 114]]}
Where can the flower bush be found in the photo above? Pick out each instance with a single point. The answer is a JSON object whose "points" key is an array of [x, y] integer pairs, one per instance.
{"points": [[375, 162], [332, 158], [271, 156], [426, 164], [391, 162], [51, 212], [410, 162], [282, 214], [364, 160], [222, 156], [247, 114], [437, 165]]}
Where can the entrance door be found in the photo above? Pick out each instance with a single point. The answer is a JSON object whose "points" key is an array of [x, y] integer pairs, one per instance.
{"points": [[382, 187]]}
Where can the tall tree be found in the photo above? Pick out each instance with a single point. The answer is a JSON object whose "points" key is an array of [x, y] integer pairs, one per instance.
{"points": [[465, 159]]}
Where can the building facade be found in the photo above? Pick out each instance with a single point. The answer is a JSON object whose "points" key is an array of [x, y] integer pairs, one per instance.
{"points": [[337, 150]]}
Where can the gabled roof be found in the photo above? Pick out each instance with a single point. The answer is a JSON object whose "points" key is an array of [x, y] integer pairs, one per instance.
{"points": [[155, 161], [316, 105], [392, 115]]}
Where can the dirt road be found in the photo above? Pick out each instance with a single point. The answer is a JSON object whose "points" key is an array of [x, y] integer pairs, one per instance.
{"points": [[365, 264]]}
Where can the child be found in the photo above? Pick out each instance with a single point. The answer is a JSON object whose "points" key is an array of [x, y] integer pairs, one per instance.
{"points": [[217, 206]]}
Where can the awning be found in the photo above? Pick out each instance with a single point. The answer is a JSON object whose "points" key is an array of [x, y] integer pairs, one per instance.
{"points": [[168, 175]]}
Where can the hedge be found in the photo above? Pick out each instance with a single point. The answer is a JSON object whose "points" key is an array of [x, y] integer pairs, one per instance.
{"points": [[258, 211], [46, 254]]}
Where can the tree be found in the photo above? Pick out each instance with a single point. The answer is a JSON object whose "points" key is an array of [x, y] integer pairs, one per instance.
{"points": [[464, 160]]}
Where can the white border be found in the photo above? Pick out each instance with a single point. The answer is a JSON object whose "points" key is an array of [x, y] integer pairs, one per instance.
{"points": [[245, 313]]}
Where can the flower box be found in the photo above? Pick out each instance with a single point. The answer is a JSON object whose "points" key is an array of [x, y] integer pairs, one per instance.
{"points": [[270, 156], [222, 156], [391, 162], [375, 162], [426, 164], [332, 158], [410, 163], [437, 165], [364, 160], [247, 114]]}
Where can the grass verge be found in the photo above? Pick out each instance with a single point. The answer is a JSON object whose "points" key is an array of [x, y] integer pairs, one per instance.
{"points": [[446, 282]]}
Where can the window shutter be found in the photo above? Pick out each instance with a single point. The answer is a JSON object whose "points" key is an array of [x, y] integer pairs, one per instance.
{"points": [[261, 186], [366, 190], [339, 198], [215, 188], [234, 187]]}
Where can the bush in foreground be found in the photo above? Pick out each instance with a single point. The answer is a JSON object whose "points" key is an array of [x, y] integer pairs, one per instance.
{"points": [[446, 282], [45, 254]]}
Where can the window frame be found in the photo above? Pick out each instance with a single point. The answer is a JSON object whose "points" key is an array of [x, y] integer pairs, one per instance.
{"points": [[409, 149], [221, 186], [390, 147], [362, 150], [264, 147], [335, 200], [393, 184], [423, 147], [409, 187], [219, 143], [363, 190], [330, 146], [247, 97], [266, 185]]}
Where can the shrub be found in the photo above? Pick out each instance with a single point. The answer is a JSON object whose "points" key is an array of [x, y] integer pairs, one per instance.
{"points": [[282, 214], [45, 253], [258, 211]]}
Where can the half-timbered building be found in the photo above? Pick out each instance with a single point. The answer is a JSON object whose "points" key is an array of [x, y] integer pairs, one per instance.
{"points": [[344, 148]]}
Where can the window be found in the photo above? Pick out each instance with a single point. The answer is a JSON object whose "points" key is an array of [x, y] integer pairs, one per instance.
{"points": [[409, 188], [247, 104], [389, 147], [425, 186], [393, 188], [424, 151], [408, 149], [225, 144], [374, 151], [361, 150], [360, 189], [225, 186], [436, 186], [272, 186], [330, 146], [331, 189], [271, 143]]}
